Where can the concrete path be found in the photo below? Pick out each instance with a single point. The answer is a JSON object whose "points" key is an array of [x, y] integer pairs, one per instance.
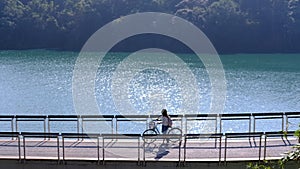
{"points": [[129, 150]]}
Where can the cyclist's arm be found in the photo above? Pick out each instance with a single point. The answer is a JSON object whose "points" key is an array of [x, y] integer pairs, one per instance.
{"points": [[159, 118]]}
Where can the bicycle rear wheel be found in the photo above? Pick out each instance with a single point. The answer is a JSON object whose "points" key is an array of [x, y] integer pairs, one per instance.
{"points": [[175, 131], [149, 135]]}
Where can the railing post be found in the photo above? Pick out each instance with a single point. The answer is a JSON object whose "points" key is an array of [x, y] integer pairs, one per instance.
{"points": [[259, 147], [12, 126], [186, 125], [98, 151], [24, 149], [103, 151], [112, 126], [116, 125], [218, 117], [282, 122], [179, 152], [225, 149], [220, 150], [78, 126], [16, 124], [181, 122], [220, 125], [58, 154], [82, 124], [250, 121], [265, 147], [144, 154], [45, 128], [220, 122], [63, 147], [19, 147], [139, 162], [48, 120], [184, 150], [286, 123], [254, 124]]}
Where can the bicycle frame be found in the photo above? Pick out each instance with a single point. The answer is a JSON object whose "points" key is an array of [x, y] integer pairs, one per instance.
{"points": [[154, 127]]}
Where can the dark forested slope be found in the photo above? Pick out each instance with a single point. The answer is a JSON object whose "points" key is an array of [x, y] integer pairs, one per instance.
{"points": [[233, 26]]}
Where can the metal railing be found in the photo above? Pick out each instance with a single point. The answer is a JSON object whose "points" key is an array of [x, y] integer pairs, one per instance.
{"points": [[30, 118], [206, 136], [243, 135], [114, 120], [276, 134], [188, 118], [268, 116], [63, 118], [290, 115], [60, 143], [131, 118], [241, 116], [80, 136], [184, 120], [98, 118], [13, 135], [25, 135], [122, 136], [9, 118]]}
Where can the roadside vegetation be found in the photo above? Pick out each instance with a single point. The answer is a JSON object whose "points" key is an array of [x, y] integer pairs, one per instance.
{"points": [[293, 155]]}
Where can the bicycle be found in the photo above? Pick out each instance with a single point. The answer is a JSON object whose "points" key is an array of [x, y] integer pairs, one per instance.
{"points": [[153, 131]]}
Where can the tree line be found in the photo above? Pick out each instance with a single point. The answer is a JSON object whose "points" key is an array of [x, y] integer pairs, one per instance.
{"points": [[233, 26]]}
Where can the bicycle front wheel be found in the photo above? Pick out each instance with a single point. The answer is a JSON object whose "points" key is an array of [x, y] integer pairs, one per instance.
{"points": [[149, 135], [175, 131]]}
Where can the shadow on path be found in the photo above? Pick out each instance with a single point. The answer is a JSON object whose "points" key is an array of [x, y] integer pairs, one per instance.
{"points": [[162, 151]]}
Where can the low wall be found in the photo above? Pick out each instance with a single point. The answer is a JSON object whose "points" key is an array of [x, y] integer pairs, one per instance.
{"points": [[48, 164]]}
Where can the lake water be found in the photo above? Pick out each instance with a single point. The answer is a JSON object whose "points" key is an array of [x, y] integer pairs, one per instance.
{"points": [[39, 82]]}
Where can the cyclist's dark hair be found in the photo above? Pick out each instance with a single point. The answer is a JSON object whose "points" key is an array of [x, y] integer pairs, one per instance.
{"points": [[164, 112]]}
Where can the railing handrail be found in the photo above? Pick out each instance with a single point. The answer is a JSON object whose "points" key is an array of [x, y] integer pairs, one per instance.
{"points": [[237, 115], [204, 135], [80, 135], [30, 116], [243, 135], [39, 134], [153, 116], [117, 135], [115, 119], [9, 134], [201, 135], [268, 114], [7, 116], [279, 133], [63, 116], [98, 116], [134, 116]]}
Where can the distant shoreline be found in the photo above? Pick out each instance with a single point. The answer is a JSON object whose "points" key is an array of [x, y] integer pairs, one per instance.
{"points": [[77, 51]]}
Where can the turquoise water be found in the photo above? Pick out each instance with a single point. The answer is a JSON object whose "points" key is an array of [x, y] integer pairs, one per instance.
{"points": [[40, 82]]}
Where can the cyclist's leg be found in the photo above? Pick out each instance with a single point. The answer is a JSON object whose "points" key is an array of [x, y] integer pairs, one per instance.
{"points": [[164, 130]]}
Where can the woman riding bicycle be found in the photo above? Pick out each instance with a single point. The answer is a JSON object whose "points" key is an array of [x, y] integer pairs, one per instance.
{"points": [[166, 124], [166, 121]]}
